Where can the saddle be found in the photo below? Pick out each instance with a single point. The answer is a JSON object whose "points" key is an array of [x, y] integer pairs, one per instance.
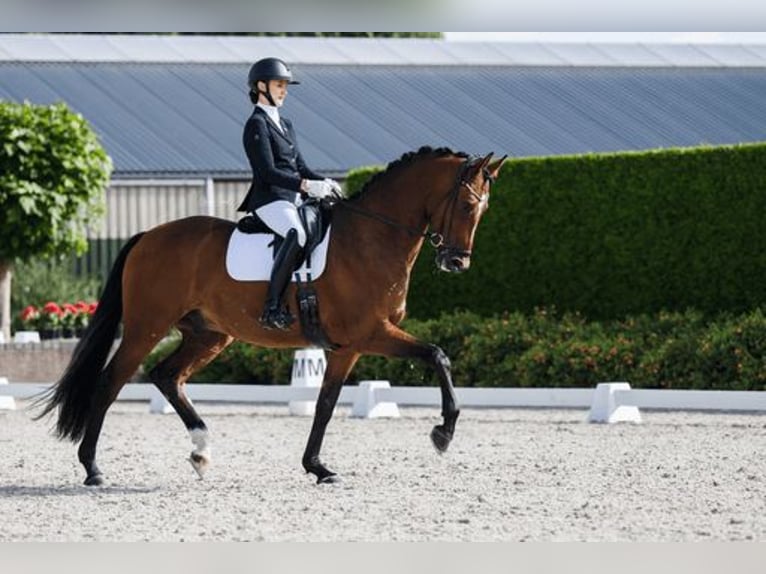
{"points": [[316, 217]]}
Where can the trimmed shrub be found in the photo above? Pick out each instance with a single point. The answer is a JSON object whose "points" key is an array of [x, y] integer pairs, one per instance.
{"points": [[545, 349], [612, 235]]}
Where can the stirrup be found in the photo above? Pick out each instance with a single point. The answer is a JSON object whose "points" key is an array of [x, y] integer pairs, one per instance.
{"points": [[275, 318]]}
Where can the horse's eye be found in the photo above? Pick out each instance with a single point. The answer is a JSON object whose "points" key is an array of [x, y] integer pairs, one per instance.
{"points": [[469, 207]]}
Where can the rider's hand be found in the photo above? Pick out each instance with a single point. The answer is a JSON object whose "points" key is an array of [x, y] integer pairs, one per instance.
{"points": [[336, 188], [318, 188]]}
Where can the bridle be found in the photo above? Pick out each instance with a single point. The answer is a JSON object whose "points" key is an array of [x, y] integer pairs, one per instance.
{"points": [[434, 237], [438, 239]]}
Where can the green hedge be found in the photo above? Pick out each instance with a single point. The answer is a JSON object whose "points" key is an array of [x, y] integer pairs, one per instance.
{"points": [[547, 349], [610, 235]]}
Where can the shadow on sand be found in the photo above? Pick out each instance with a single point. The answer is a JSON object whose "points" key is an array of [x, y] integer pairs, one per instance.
{"points": [[47, 491]]}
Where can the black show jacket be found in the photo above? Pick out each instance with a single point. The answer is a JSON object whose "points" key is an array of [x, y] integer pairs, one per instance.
{"points": [[277, 164]]}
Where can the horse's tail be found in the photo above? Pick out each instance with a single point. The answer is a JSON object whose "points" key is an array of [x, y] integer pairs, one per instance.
{"points": [[74, 392]]}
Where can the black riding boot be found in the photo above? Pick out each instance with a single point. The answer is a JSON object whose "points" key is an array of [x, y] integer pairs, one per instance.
{"points": [[275, 315]]}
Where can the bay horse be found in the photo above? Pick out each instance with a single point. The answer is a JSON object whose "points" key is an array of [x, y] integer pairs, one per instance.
{"points": [[174, 275]]}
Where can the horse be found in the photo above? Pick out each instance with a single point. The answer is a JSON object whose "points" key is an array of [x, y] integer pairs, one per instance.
{"points": [[173, 275]]}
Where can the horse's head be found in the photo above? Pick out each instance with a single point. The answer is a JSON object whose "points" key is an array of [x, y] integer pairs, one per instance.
{"points": [[457, 211]]}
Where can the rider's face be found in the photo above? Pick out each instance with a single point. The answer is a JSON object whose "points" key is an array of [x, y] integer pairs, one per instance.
{"points": [[278, 90]]}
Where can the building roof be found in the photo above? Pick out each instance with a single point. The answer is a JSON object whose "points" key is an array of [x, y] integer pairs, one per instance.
{"points": [[175, 106], [132, 48]]}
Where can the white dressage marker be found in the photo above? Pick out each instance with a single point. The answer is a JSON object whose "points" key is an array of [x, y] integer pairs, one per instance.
{"points": [[6, 403], [159, 405], [26, 337], [606, 407], [366, 404], [308, 371]]}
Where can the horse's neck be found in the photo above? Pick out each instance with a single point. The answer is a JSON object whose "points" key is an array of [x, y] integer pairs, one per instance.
{"points": [[394, 246]]}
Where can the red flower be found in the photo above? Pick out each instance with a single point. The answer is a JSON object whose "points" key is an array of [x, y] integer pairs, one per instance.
{"points": [[82, 306], [52, 308], [69, 308], [28, 313], [92, 307]]}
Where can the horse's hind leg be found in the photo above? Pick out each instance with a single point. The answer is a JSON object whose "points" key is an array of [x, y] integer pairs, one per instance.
{"points": [[123, 364], [198, 347]]}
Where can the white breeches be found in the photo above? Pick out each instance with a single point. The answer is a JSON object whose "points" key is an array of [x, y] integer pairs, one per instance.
{"points": [[281, 217]]}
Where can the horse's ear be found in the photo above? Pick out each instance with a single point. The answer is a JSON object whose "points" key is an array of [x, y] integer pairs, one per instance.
{"points": [[485, 160], [480, 163], [494, 167]]}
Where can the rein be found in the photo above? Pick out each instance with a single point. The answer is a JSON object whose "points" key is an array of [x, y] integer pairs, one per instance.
{"points": [[434, 237]]}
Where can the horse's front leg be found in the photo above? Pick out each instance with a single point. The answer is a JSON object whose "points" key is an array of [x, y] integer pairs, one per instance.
{"points": [[339, 366], [391, 341]]}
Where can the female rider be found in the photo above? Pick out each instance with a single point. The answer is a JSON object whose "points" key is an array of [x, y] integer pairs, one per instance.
{"points": [[281, 180]]}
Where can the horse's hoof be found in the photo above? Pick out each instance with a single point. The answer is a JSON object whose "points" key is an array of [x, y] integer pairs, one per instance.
{"points": [[199, 463], [94, 480], [440, 439], [329, 479]]}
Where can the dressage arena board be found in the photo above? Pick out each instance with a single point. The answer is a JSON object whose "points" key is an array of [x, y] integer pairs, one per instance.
{"points": [[510, 475]]}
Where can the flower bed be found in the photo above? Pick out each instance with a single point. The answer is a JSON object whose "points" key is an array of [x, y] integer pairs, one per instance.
{"points": [[545, 349], [54, 320]]}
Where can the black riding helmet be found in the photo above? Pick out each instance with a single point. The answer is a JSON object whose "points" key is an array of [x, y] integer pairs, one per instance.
{"points": [[264, 70]]}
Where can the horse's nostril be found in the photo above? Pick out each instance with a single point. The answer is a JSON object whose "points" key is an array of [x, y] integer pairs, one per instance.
{"points": [[456, 263]]}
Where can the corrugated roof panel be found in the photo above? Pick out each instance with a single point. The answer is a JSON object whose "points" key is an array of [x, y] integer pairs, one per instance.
{"points": [[683, 55], [581, 54], [108, 110], [630, 55], [412, 52], [150, 49], [757, 49], [309, 50], [32, 47], [173, 108], [732, 55], [529, 54], [22, 82], [623, 100], [81, 48], [491, 120], [468, 52], [184, 119], [387, 116], [380, 51], [369, 51], [200, 48], [417, 98], [594, 118], [530, 130], [711, 112], [344, 119]]}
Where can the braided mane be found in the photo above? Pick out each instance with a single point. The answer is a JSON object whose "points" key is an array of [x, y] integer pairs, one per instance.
{"points": [[407, 159]]}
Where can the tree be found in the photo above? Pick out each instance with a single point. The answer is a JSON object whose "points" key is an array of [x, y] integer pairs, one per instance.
{"points": [[53, 173]]}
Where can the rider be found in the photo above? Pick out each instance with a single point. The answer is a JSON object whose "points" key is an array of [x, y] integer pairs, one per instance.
{"points": [[281, 179]]}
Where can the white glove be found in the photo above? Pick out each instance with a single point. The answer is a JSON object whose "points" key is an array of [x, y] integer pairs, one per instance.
{"points": [[318, 188], [337, 189]]}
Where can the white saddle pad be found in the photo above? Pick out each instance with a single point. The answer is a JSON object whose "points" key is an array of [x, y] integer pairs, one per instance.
{"points": [[249, 257]]}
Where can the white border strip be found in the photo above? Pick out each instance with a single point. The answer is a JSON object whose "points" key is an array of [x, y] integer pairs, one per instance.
{"points": [[742, 401]]}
